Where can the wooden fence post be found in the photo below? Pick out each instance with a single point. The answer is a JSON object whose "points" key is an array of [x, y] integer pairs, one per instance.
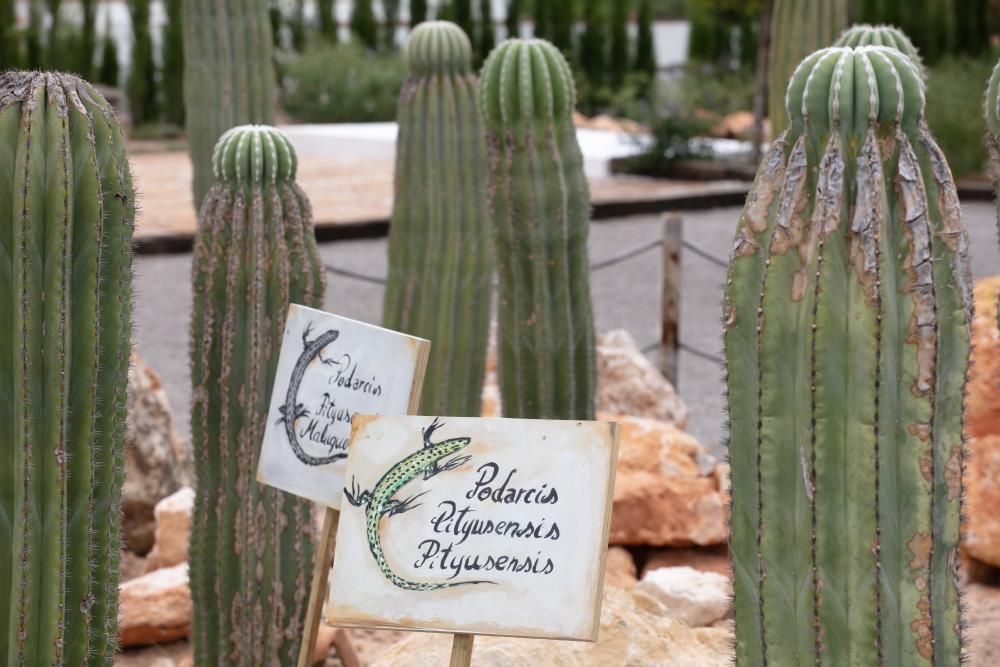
{"points": [[670, 303]]}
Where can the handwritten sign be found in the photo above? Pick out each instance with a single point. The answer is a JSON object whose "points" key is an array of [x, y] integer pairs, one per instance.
{"points": [[477, 526], [331, 368]]}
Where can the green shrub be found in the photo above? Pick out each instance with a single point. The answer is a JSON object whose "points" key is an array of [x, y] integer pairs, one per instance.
{"points": [[955, 111], [343, 83], [715, 89]]}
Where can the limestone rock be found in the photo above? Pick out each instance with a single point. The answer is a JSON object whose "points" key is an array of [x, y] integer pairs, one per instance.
{"points": [[982, 618], [619, 570], [697, 598], [634, 633], [705, 559], [173, 530], [667, 491], [157, 460], [155, 608], [174, 654], [628, 384], [982, 498]]}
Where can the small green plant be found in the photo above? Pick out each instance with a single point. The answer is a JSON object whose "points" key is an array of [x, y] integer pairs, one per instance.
{"points": [[251, 545], [65, 329], [343, 84], [540, 205], [847, 312]]}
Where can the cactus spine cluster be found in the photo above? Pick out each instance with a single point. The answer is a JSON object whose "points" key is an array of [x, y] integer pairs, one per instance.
{"points": [[440, 258], [228, 76], [540, 205], [864, 34], [847, 313], [251, 545], [65, 327], [798, 28]]}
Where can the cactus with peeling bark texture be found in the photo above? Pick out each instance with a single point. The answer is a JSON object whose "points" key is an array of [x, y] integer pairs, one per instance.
{"points": [[440, 260], [798, 27], [540, 204], [228, 76], [847, 313], [251, 545], [65, 328], [864, 34]]}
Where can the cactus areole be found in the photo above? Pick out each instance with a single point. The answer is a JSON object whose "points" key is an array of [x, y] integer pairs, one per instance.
{"points": [[251, 545], [847, 313], [66, 224], [440, 257], [540, 204]]}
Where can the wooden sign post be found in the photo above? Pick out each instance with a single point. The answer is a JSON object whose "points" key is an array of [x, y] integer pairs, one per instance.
{"points": [[331, 368], [474, 526]]}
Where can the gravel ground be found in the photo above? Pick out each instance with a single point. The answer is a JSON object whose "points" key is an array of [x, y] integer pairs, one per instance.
{"points": [[626, 295]]}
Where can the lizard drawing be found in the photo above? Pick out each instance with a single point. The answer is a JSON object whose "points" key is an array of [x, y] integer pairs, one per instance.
{"points": [[291, 411], [379, 502]]}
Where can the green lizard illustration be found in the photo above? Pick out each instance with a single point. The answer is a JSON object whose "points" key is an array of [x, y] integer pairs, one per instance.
{"points": [[379, 502]]}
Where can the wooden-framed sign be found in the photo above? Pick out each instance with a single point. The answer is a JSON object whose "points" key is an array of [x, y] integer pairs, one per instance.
{"points": [[331, 368], [475, 526]]}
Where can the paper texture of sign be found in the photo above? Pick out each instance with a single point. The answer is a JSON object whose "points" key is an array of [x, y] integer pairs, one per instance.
{"points": [[331, 368], [478, 526]]}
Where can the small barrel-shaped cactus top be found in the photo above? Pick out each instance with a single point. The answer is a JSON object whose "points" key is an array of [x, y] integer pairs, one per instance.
{"points": [[851, 89], [864, 34], [254, 154], [993, 103], [526, 80], [438, 47]]}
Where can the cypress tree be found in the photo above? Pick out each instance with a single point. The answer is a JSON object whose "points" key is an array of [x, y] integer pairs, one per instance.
{"points": [[593, 41], [141, 88], [173, 64], [108, 70], [618, 60], [487, 37], [418, 12], [327, 20], [87, 47], [390, 10], [33, 55], [645, 56], [10, 39], [463, 18], [363, 26], [54, 43], [543, 23], [513, 20], [297, 26], [561, 19]]}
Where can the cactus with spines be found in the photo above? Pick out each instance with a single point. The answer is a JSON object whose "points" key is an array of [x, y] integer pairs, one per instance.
{"points": [[65, 331], [540, 207], [847, 314], [251, 545], [228, 76], [798, 27], [864, 34], [992, 108], [440, 257]]}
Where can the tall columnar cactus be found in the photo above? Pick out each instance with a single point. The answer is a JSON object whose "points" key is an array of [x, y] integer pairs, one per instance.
{"points": [[65, 326], [540, 205], [440, 259], [847, 314], [251, 546], [993, 133], [864, 34], [798, 27], [228, 76]]}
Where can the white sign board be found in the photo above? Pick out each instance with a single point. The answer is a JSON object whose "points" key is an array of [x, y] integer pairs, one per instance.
{"points": [[475, 526], [330, 369]]}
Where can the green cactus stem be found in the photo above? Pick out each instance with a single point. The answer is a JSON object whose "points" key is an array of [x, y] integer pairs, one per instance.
{"points": [[798, 27], [228, 76], [993, 133], [65, 328], [540, 204], [440, 260], [864, 34], [847, 313], [251, 546]]}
